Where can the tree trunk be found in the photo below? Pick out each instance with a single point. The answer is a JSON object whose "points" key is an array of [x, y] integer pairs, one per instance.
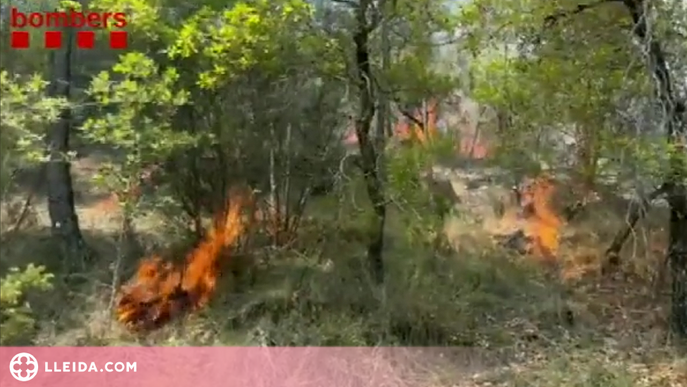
{"points": [[677, 256], [64, 222], [636, 211], [676, 131], [370, 151]]}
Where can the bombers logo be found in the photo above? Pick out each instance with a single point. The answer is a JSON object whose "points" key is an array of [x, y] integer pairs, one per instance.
{"points": [[52, 24]]}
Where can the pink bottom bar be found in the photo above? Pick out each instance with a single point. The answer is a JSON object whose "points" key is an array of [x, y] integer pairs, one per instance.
{"points": [[215, 366]]}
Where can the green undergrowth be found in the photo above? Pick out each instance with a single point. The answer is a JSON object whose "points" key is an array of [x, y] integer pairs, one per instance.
{"points": [[324, 297], [320, 294], [317, 293]]}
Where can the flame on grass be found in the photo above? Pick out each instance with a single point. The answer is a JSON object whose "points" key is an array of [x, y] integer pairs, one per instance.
{"points": [[542, 224], [162, 290], [408, 130]]}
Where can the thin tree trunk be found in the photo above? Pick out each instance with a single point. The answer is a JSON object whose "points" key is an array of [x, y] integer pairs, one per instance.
{"points": [[287, 216], [677, 253], [676, 131], [273, 210], [370, 151], [637, 211], [64, 222], [384, 128]]}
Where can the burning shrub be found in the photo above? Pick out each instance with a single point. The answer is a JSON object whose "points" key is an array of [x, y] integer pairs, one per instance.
{"points": [[161, 290]]}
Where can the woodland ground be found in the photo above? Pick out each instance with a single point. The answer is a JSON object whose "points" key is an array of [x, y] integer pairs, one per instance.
{"points": [[498, 313]]}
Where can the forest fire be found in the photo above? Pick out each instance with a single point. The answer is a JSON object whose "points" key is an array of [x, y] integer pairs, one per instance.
{"points": [[409, 130], [542, 225], [161, 290]]}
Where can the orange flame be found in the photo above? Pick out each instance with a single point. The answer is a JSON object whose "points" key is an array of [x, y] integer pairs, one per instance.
{"points": [[409, 131], [474, 148], [161, 290], [543, 225]]}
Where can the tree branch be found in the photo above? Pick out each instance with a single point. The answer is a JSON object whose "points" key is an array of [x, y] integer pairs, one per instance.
{"points": [[638, 209], [673, 108], [407, 114], [550, 21], [350, 3], [375, 17], [553, 19]]}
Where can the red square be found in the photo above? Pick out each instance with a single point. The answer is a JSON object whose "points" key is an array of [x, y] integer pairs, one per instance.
{"points": [[118, 39], [19, 39], [85, 39], [53, 39]]}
